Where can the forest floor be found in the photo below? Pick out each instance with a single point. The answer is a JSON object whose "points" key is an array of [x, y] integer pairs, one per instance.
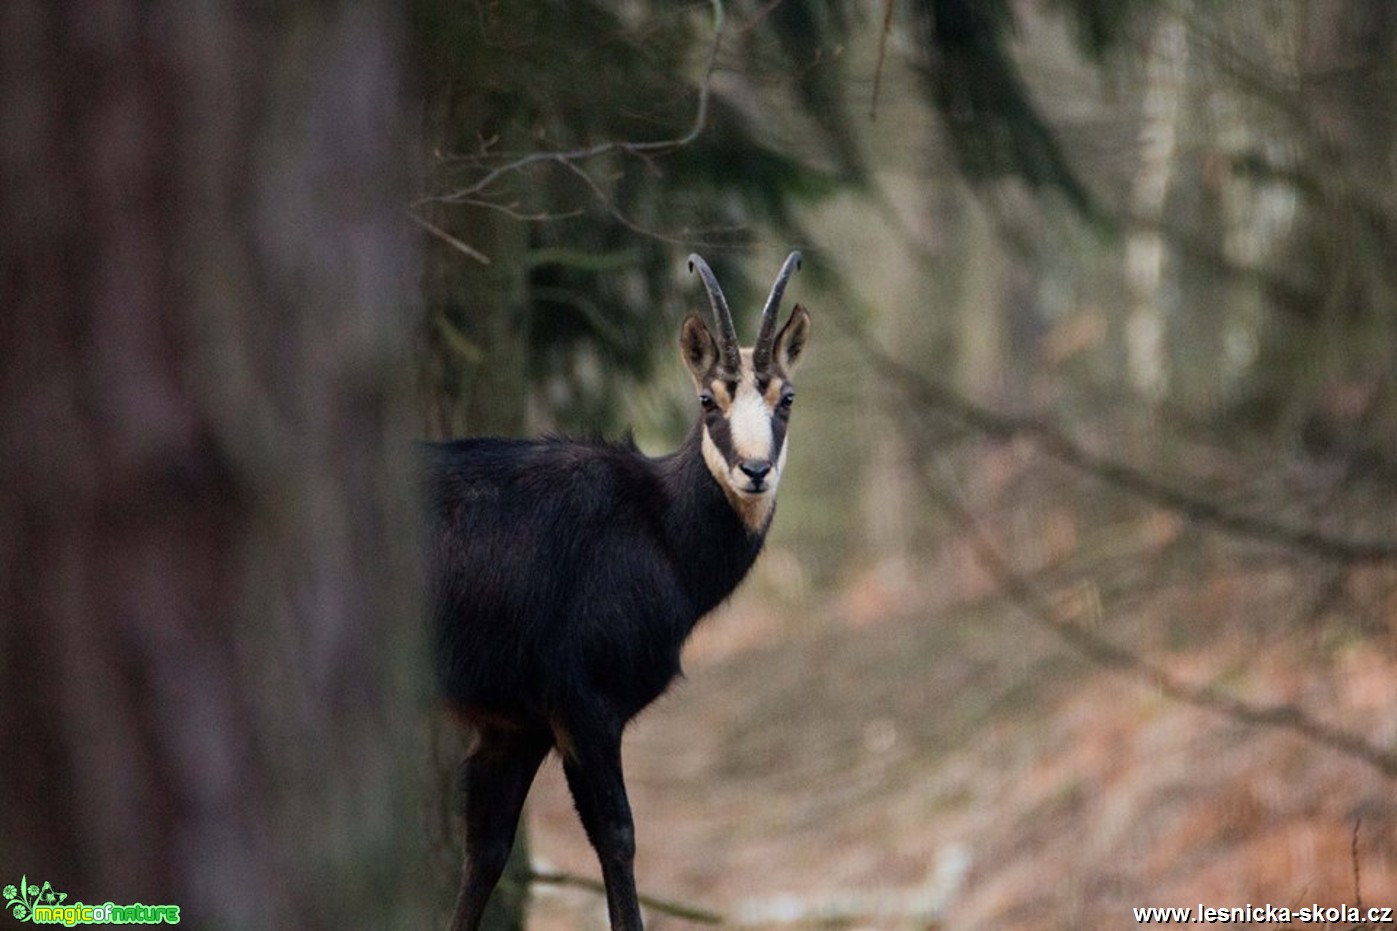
{"points": [[907, 756]]}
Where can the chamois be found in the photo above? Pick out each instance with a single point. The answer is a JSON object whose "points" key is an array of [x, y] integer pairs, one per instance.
{"points": [[565, 576]]}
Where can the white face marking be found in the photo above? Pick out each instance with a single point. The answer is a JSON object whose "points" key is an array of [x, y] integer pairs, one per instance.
{"points": [[749, 421]]}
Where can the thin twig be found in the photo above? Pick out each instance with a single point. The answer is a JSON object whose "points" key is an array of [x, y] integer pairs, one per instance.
{"points": [[447, 238], [1353, 855], [514, 213], [676, 909], [605, 200]]}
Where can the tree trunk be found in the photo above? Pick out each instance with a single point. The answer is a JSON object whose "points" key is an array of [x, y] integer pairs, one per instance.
{"points": [[1146, 341], [475, 377], [207, 576]]}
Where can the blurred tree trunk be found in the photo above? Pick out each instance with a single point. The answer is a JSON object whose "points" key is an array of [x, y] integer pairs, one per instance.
{"points": [[475, 377], [981, 309], [1165, 78], [476, 370], [475, 374], [207, 576], [475, 381]]}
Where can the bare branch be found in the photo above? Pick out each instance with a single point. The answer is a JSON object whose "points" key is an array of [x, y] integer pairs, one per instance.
{"points": [[605, 200], [569, 158], [941, 399], [1034, 604], [514, 213], [450, 240], [683, 237]]}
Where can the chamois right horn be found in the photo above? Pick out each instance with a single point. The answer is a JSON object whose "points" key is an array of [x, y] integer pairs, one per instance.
{"points": [[761, 354]]}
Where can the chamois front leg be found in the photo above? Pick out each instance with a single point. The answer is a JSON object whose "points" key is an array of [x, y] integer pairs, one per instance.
{"points": [[593, 770], [497, 774]]}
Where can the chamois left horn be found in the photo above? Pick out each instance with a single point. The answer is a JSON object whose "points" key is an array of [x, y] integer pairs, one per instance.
{"points": [[727, 333], [761, 351]]}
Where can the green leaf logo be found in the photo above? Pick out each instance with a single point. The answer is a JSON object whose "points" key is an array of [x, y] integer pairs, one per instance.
{"points": [[21, 899]]}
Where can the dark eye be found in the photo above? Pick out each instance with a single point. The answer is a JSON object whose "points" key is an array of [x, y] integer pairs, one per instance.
{"points": [[706, 401], [788, 397]]}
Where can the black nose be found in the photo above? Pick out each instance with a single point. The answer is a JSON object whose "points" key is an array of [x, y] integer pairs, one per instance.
{"points": [[755, 469]]}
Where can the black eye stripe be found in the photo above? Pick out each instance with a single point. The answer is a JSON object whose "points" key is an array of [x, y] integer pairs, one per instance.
{"points": [[720, 433], [778, 436]]}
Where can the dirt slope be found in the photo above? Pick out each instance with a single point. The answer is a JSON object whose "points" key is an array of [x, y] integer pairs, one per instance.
{"points": [[890, 761]]}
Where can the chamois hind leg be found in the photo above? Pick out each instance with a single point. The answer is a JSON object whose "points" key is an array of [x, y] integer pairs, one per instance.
{"points": [[592, 764], [497, 773]]}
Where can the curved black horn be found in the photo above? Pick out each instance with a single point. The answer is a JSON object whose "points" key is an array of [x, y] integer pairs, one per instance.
{"points": [[761, 355], [727, 333]]}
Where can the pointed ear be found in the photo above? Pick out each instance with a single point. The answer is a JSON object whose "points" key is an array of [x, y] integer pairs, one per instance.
{"points": [[697, 347], [790, 342]]}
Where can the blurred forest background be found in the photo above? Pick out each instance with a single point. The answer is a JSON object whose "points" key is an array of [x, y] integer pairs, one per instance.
{"points": [[1083, 590]]}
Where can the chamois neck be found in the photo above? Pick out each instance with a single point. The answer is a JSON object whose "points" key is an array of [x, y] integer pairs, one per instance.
{"points": [[712, 548]]}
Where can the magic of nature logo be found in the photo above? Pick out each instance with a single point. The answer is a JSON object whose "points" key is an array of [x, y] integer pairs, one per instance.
{"points": [[45, 905]]}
